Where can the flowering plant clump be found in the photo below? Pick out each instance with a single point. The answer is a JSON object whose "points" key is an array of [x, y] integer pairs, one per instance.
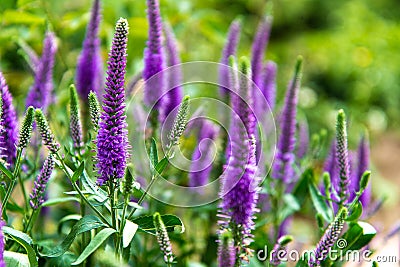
{"points": [[88, 188]]}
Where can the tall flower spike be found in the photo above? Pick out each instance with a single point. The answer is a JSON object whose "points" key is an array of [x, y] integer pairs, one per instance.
{"points": [[362, 166], [112, 139], [268, 87], [9, 123], [94, 110], [202, 156], [26, 128], [342, 158], [163, 239], [283, 164], [40, 93], [226, 250], [230, 48], [89, 71], [75, 124], [154, 61], [2, 243], [180, 122], [258, 49], [174, 75], [239, 188], [38, 191], [329, 239], [47, 136]]}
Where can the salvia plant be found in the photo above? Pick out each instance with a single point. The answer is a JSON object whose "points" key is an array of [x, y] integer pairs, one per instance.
{"points": [[76, 189]]}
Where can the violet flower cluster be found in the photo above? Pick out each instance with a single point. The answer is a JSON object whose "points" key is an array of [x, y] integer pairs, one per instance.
{"points": [[38, 192], [9, 124], [112, 138], [89, 70], [39, 95]]}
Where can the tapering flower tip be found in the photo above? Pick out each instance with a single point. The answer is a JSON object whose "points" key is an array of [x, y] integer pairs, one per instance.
{"points": [[329, 239], [180, 122], [112, 138], [9, 122], [48, 138], [163, 239], [268, 86], [226, 250], [75, 124], [362, 167], [26, 128], [154, 61], [326, 178], [40, 93], [89, 70], [174, 75], [245, 92], [283, 164], [342, 158], [260, 42], [230, 49], [364, 181], [38, 192], [94, 110], [2, 243], [129, 184]]}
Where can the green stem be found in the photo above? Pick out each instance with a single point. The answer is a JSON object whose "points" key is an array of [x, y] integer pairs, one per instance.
{"points": [[12, 184], [76, 188], [27, 227], [23, 192]]}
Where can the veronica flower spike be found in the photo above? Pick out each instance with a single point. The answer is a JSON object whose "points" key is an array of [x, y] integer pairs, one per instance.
{"points": [[9, 123], [112, 139], [154, 59], [89, 71], [342, 159], [283, 164], [39, 95]]}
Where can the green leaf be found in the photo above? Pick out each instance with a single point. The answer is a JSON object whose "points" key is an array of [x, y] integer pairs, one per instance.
{"points": [[171, 222], [153, 155], [56, 201], [291, 206], [319, 202], [355, 212], [301, 188], [85, 224], [6, 171], [25, 241], [358, 235], [78, 172], [128, 233], [14, 259], [162, 165], [94, 244]]}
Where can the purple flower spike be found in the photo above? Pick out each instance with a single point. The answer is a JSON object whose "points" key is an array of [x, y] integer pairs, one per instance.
{"points": [[9, 123], [239, 188], [89, 71], [226, 250], [304, 140], [39, 94], [229, 50], [342, 158], [175, 94], [283, 165], [154, 59], [258, 49], [112, 139], [38, 193], [362, 166], [2, 244], [329, 239], [202, 156], [268, 87]]}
